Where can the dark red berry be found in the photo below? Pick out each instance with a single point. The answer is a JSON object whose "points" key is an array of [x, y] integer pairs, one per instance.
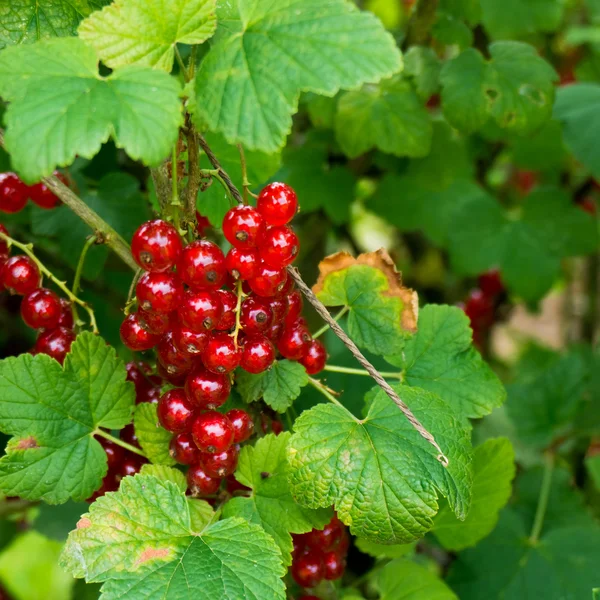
{"points": [[183, 450], [135, 336], [293, 342], [175, 412], [131, 465], [295, 304], [13, 193], [137, 373], [314, 358], [279, 308], [308, 598], [278, 246], [256, 316], [480, 309], [20, 275], [159, 292], [491, 284], [41, 309], [202, 224], [66, 315], [277, 203], [109, 484], [221, 355], [43, 196], [55, 343], [207, 390], [156, 246], [325, 539], [242, 424], [268, 281], [274, 332], [189, 341], [258, 354], [114, 453], [242, 226], [212, 432], [220, 464], [172, 359], [334, 565], [308, 569], [242, 263], [156, 323], [201, 484], [202, 265], [127, 434], [229, 302], [175, 377], [200, 310], [287, 288], [233, 485]]}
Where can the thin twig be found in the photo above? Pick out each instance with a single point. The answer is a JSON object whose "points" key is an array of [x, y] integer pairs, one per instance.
{"points": [[79, 272], [245, 182], [131, 293], [194, 177]]}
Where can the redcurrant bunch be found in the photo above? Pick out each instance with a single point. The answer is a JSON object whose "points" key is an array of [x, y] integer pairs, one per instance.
{"points": [[14, 193]]}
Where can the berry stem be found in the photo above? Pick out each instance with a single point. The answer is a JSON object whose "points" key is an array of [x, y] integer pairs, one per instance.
{"points": [[119, 442], [362, 372], [79, 271], [28, 249], [245, 183], [181, 64], [326, 327], [131, 293], [323, 389], [542, 504], [214, 173], [238, 311]]}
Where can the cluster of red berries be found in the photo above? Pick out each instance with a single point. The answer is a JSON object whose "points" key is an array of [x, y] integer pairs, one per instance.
{"points": [[14, 193], [320, 554]]}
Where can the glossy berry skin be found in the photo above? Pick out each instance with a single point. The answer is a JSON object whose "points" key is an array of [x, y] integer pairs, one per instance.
{"points": [[109, 484], [127, 434], [308, 569], [156, 246], [131, 465], [212, 432], [175, 412], [325, 539], [220, 355], [187, 340], [228, 302], [314, 358], [114, 453], [20, 275], [13, 193], [256, 316], [334, 565], [43, 196], [171, 358], [295, 304], [175, 377], [66, 315], [278, 246], [480, 309], [274, 332], [202, 265], [135, 336], [490, 283], [56, 343], [156, 323], [206, 390], [293, 342], [137, 373], [201, 484], [41, 309], [159, 292], [258, 354], [200, 310], [220, 464], [242, 263], [277, 203], [242, 424], [242, 226], [268, 281], [183, 450]]}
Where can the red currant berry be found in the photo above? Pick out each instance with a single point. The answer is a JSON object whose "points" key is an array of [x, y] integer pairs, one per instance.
{"points": [[314, 358], [295, 304], [255, 316], [189, 341], [66, 315], [308, 598], [20, 275], [274, 332], [277, 203], [308, 569], [13, 193], [173, 360], [156, 246], [229, 302], [183, 450], [221, 464], [159, 292], [131, 465], [288, 287], [156, 323], [135, 336], [233, 485], [279, 308], [242, 263], [212, 432], [276, 427], [480, 310], [278, 246], [175, 412], [491, 284], [43, 196], [221, 355], [242, 226], [41, 309], [242, 424], [201, 484], [258, 354], [202, 224], [176, 378], [109, 484], [293, 342], [202, 265], [334, 565], [268, 281], [55, 343], [114, 453], [200, 310], [207, 390], [127, 434], [137, 373], [328, 538]]}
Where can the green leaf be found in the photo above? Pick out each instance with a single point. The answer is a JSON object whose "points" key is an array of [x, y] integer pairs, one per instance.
{"points": [[279, 386], [264, 469], [384, 550], [138, 107], [201, 514], [493, 472], [592, 465], [577, 108], [153, 439], [165, 473], [367, 468], [423, 66], [441, 359], [264, 55], [405, 580], [543, 149], [513, 18], [388, 116], [52, 413], [514, 88], [467, 10], [142, 32], [142, 541]]}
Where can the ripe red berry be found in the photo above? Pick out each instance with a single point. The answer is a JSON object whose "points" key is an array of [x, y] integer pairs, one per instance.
{"points": [[202, 224], [13, 193], [55, 343], [258, 354], [278, 246], [242, 263], [268, 281], [201, 484], [277, 203], [135, 337], [311, 597], [233, 485], [220, 464], [212, 432], [66, 315], [314, 358], [293, 342], [229, 302], [480, 309], [159, 292], [20, 275], [109, 484], [279, 308], [41, 309], [242, 424], [334, 565], [156, 323], [183, 450], [274, 332], [131, 465], [189, 341], [202, 265], [172, 359], [175, 377], [242, 226], [207, 390], [156, 246], [175, 412], [43, 196], [308, 569], [114, 453], [221, 355], [137, 373], [295, 304], [256, 316], [326, 539], [200, 310], [127, 434], [490, 283]]}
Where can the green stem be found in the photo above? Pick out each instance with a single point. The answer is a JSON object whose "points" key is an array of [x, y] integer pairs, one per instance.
{"points": [[362, 372], [131, 293], [245, 182], [181, 64], [542, 505], [215, 173], [238, 311], [118, 442], [323, 390], [79, 271], [325, 327]]}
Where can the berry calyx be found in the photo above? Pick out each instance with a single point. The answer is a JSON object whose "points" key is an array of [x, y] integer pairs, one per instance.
{"points": [[56, 343], [221, 355], [20, 275], [258, 354], [183, 450], [200, 483], [228, 302], [159, 292], [41, 309], [207, 390], [242, 263], [135, 336], [156, 246], [200, 310], [242, 226], [255, 316], [202, 265], [314, 358], [175, 412], [277, 203], [268, 281], [220, 464], [278, 246], [293, 342], [242, 424], [212, 432], [189, 341], [308, 569], [13, 193]]}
